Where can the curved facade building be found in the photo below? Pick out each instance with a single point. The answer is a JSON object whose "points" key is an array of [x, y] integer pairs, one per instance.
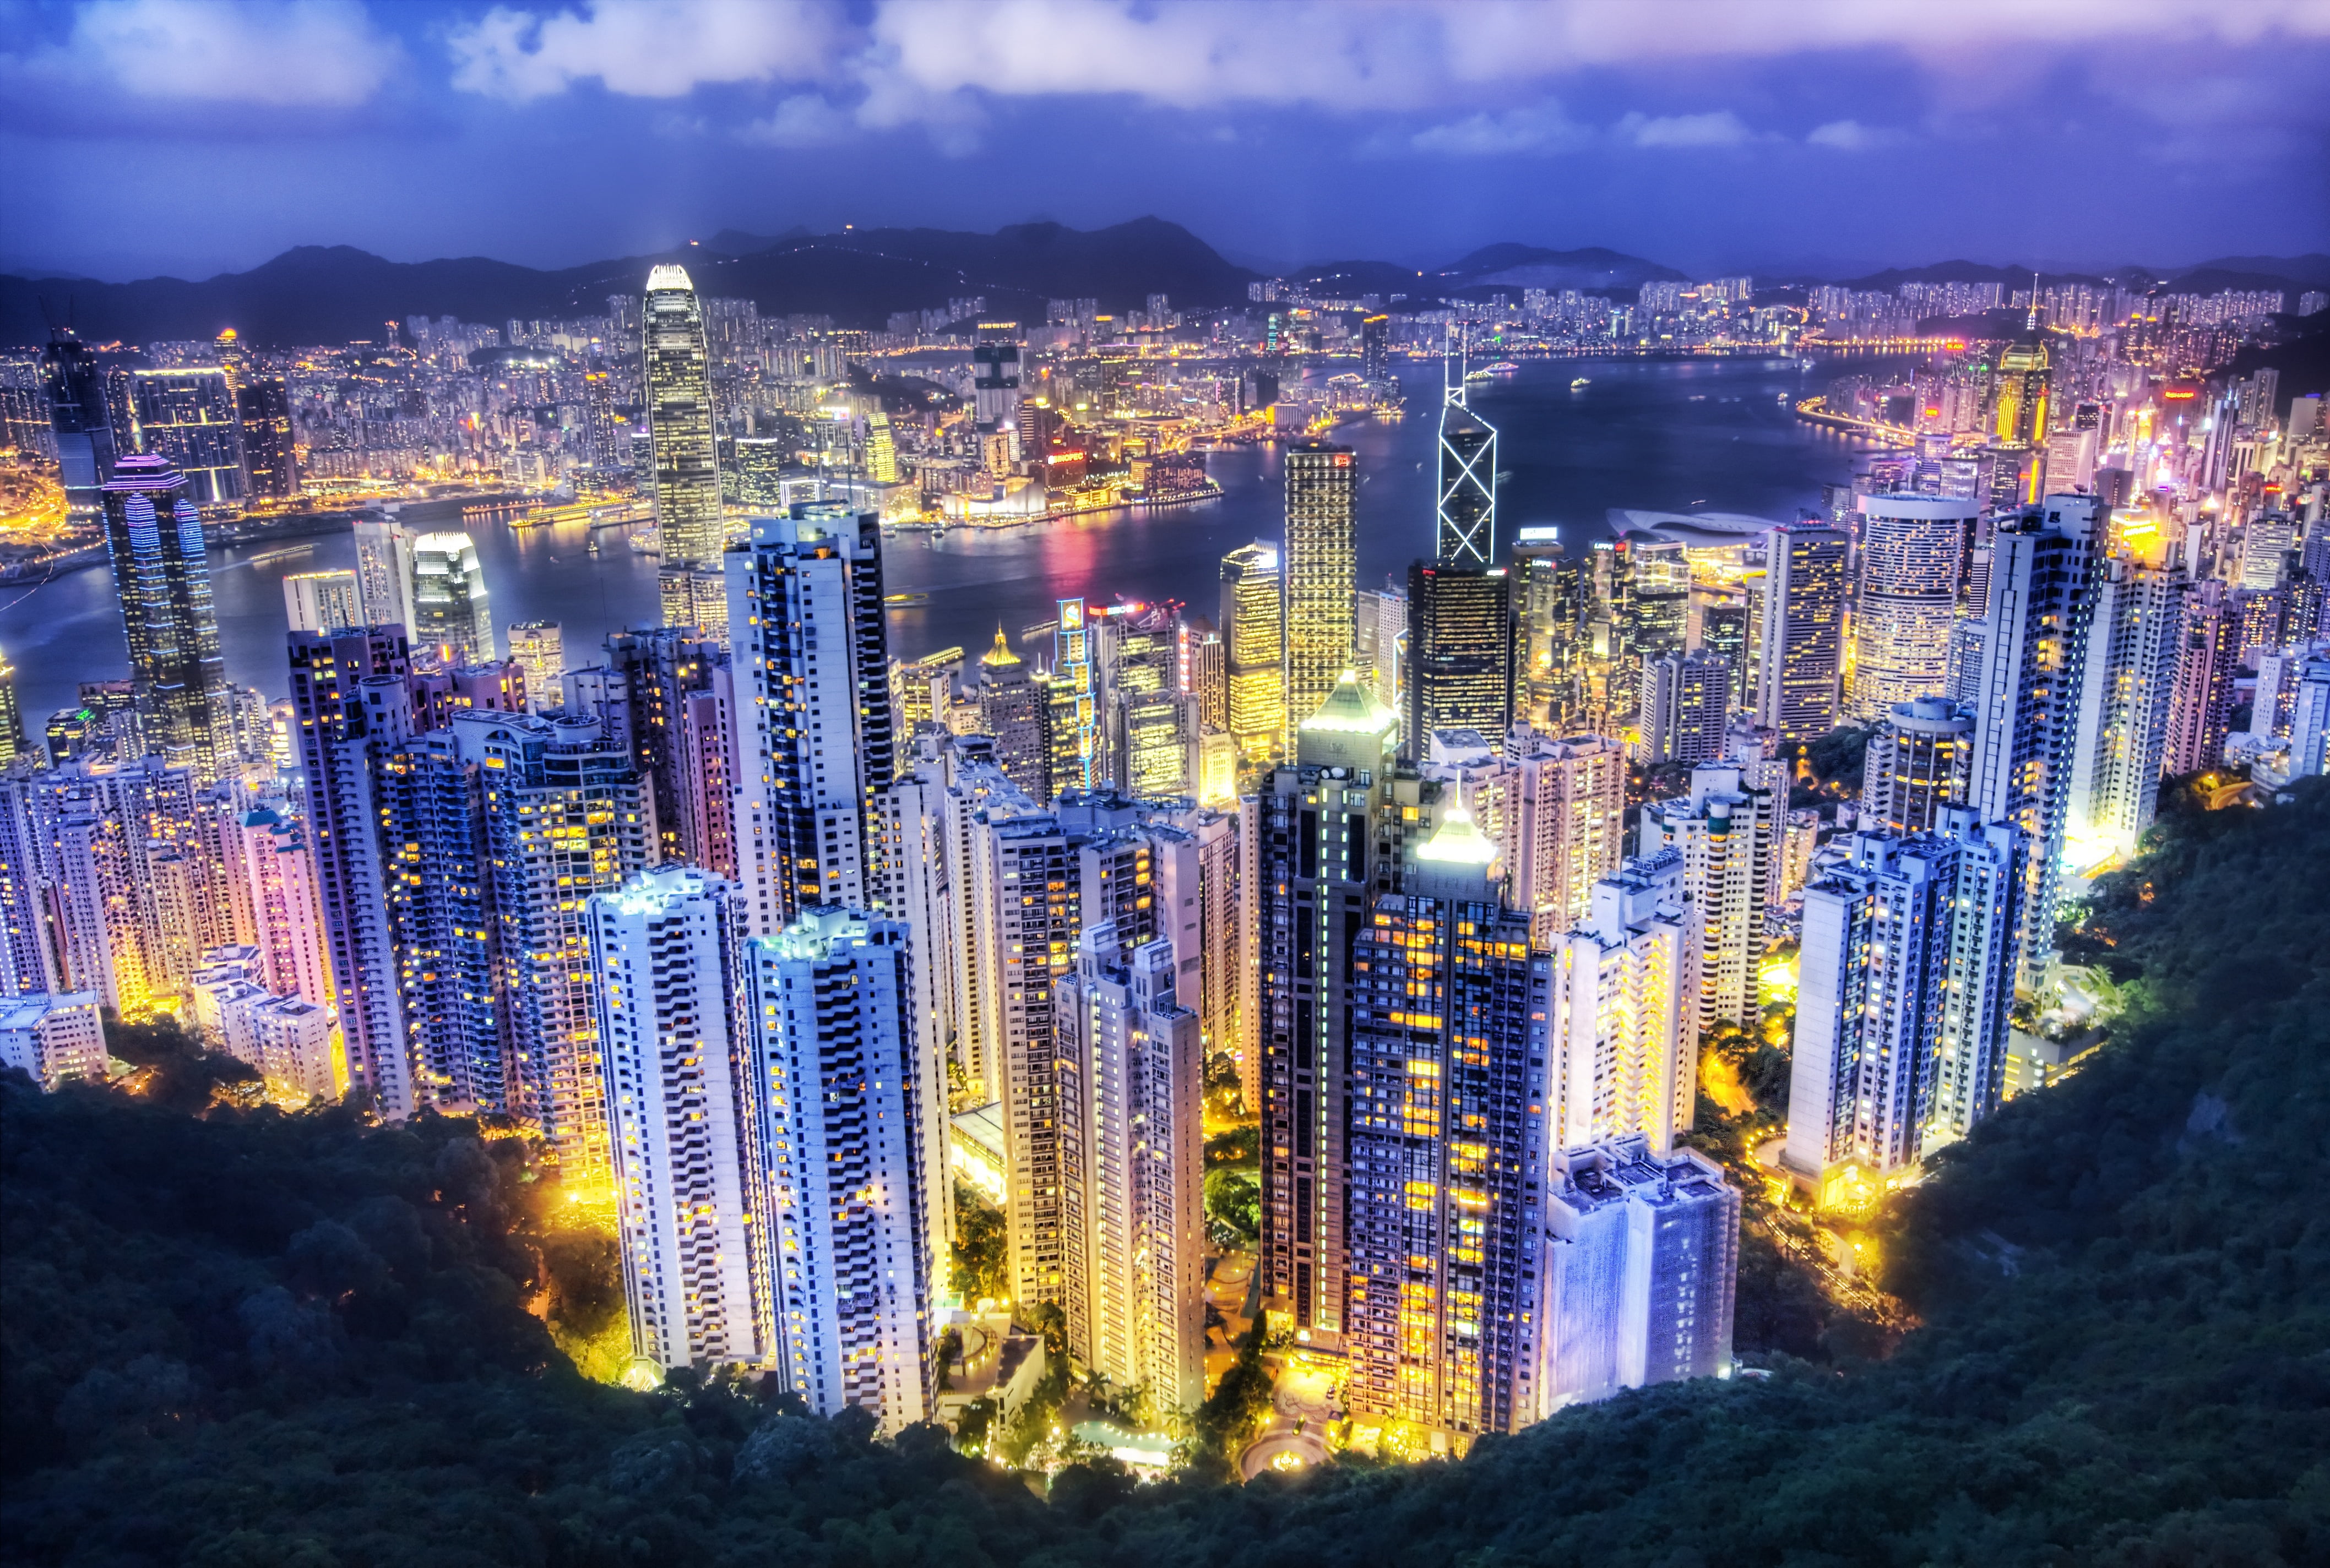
{"points": [[1914, 551]]}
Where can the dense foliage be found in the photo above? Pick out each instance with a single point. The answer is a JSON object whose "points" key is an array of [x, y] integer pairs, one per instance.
{"points": [[248, 1338]]}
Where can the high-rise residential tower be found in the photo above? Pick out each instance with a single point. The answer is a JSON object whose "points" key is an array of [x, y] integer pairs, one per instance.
{"points": [[815, 740], [1802, 641], [162, 573], [322, 600], [1916, 764], [682, 1119], [1321, 564], [385, 573], [682, 432], [1913, 560], [537, 648]]}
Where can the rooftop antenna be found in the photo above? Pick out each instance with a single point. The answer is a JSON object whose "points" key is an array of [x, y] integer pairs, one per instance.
{"points": [[1454, 392], [2031, 322]]}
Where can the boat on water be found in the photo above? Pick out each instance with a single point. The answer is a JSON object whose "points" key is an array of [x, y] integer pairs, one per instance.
{"points": [[648, 541], [901, 600], [1502, 367], [1581, 382], [284, 554]]}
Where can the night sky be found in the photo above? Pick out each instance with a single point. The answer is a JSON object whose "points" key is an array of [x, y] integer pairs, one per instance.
{"points": [[189, 136]]}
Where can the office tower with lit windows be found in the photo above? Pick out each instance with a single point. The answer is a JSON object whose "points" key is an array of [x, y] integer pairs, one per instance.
{"points": [[1565, 809], [1375, 355], [1254, 629], [843, 1211], [342, 686], [1157, 738], [1131, 1076], [1642, 1257], [79, 421], [322, 600], [271, 451], [682, 1116], [1686, 709], [1380, 643], [188, 416], [1904, 985], [1319, 838], [1321, 566], [1010, 710], [2035, 644], [385, 573], [1620, 1050], [1727, 831], [537, 647], [1465, 515], [682, 435], [2136, 641], [1444, 1144], [1549, 600], [1072, 705], [669, 696], [11, 718], [1803, 638], [1914, 551], [162, 570], [1917, 761], [815, 741], [453, 620], [1460, 651]]}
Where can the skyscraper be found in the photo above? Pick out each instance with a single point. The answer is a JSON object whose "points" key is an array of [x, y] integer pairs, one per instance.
{"points": [[1905, 981], [1253, 628], [1072, 705], [1322, 564], [682, 1116], [538, 649], [840, 1099], [1563, 817], [2134, 646], [1550, 605], [1318, 838], [322, 600], [1686, 709], [1446, 1129], [270, 452], [1460, 651], [188, 416], [12, 719], [1914, 555], [2200, 709], [1010, 710], [1466, 511], [1132, 1167], [682, 432], [385, 573], [79, 421], [1621, 1048], [1918, 756], [1802, 631], [160, 568], [2035, 644], [1727, 830], [814, 725], [453, 620], [1642, 1257]]}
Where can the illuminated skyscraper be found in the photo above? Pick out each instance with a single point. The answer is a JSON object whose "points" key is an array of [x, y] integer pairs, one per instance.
{"points": [[1686, 709], [2130, 680], [1132, 1169], [385, 573], [815, 739], [1621, 1045], [1914, 553], [12, 720], [1803, 630], [188, 416], [1917, 760], [1460, 651], [1445, 1130], [322, 600], [1072, 702], [2026, 702], [1253, 628], [270, 453], [452, 620], [1467, 508], [1727, 830], [844, 1217], [1322, 496], [1550, 602], [538, 649], [162, 572], [682, 432], [1010, 711], [681, 1117], [1563, 811]]}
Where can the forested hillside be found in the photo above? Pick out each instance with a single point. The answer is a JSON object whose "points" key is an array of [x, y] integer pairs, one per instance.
{"points": [[250, 1339]]}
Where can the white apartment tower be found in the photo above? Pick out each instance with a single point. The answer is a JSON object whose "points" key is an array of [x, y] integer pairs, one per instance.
{"points": [[1131, 1085], [1801, 649], [1621, 1048], [1727, 831], [839, 1163], [1564, 818], [679, 1086]]}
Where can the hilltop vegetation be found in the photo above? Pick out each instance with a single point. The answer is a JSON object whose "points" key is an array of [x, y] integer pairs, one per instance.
{"points": [[247, 1338]]}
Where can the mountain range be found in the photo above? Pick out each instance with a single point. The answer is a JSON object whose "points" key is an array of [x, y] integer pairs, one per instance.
{"points": [[336, 293]]}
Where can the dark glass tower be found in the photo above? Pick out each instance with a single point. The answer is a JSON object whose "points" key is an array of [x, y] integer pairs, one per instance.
{"points": [[1460, 640], [270, 464], [78, 415], [177, 672]]}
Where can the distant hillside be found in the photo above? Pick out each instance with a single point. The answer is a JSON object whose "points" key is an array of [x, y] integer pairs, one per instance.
{"points": [[2312, 269], [1516, 266], [331, 294]]}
